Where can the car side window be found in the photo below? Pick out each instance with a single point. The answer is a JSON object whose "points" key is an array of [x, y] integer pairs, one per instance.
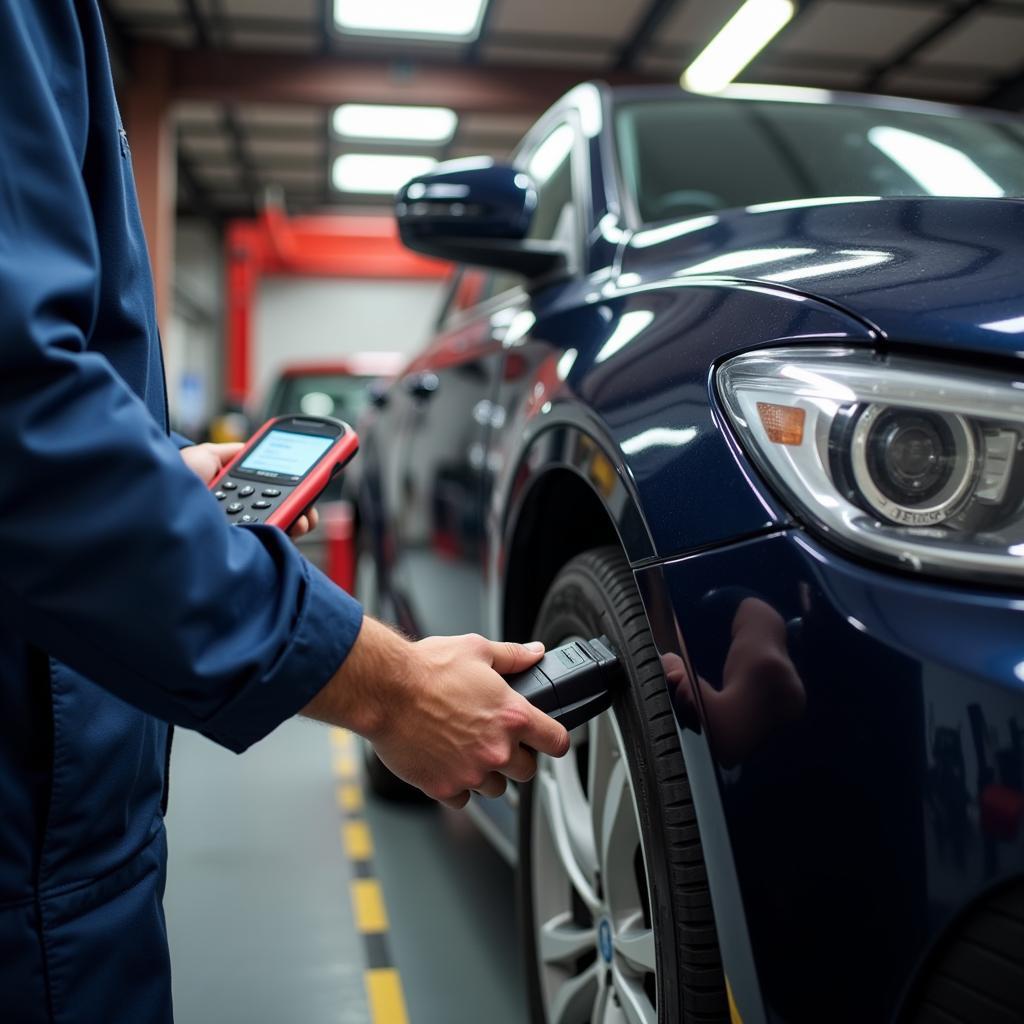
{"points": [[550, 166]]}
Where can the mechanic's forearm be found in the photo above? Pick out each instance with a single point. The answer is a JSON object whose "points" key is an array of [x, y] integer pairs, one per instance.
{"points": [[364, 691]]}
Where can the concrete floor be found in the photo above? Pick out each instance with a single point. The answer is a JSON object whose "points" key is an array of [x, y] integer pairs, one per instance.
{"points": [[258, 906]]}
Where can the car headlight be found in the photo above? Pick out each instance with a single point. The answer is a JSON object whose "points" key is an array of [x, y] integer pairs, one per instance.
{"points": [[918, 463]]}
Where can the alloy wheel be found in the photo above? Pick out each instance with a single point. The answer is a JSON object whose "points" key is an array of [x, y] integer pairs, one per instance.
{"points": [[591, 900]]}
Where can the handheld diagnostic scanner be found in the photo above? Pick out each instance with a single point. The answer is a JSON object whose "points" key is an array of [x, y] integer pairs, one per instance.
{"points": [[572, 683], [284, 469]]}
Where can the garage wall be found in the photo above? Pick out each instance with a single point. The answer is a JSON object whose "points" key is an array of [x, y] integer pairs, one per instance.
{"points": [[302, 319]]}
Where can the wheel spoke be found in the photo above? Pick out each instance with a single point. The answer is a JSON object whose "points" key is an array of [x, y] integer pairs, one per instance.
{"points": [[636, 947], [636, 1007], [576, 812], [600, 761], [553, 811], [616, 826], [561, 939], [574, 1002], [605, 1010]]}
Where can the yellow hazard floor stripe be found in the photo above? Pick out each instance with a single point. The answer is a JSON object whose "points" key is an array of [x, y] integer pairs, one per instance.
{"points": [[355, 835], [383, 983], [384, 991], [734, 1014]]}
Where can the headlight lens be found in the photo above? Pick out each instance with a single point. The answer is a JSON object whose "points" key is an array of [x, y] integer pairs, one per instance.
{"points": [[911, 461]]}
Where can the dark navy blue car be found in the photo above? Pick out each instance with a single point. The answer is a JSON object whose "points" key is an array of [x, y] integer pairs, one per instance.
{"points": [[739, 384]]}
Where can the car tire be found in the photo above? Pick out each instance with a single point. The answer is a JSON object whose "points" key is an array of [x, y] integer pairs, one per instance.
{"points": [[380, 780], [673, 926], [976, 974]]}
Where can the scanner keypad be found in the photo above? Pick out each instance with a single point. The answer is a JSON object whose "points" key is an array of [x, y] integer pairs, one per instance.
{"points": [[249, 504]]}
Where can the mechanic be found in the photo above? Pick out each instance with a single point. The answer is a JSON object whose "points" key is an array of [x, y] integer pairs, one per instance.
{"points": [[126, 601]]}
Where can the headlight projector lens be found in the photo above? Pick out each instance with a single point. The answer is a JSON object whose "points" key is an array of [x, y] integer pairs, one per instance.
{"points": [[911, 466]]}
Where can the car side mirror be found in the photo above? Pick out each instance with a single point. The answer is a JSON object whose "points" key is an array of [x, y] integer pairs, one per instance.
{"points": [[477, 212]]}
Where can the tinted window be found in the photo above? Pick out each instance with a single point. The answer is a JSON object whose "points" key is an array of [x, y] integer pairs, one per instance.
{"points": [[685, 157], [550, 166]]}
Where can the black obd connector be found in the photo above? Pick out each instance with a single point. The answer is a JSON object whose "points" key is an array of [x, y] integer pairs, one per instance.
{"points": [[572, 683]]}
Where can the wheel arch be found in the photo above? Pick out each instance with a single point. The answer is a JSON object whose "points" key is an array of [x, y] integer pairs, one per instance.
{"points": [[569, 492], [561, 517]]}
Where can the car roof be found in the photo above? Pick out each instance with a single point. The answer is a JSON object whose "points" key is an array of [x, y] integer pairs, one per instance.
{"points": [[355, 364], [795, 94]]}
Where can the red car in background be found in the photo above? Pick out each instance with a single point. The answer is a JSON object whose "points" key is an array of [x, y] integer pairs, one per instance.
{"points": [[342, 388]]}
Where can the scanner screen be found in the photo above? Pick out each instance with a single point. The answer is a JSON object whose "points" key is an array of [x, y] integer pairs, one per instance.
{"points": [[287, 453]]}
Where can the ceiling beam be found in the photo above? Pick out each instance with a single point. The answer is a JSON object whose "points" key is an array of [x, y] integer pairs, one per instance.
{"points": [[199, 201], [874, 80], [246, 167], [198, 22], [1008, 94], [238, 77], [650, 21], [472, 54]]}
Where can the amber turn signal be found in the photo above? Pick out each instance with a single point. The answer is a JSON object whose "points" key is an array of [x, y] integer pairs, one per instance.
{"points": [[783, 424]]}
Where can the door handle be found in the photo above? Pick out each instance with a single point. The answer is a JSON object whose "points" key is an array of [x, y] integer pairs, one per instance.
{"points": [[423, 385]]}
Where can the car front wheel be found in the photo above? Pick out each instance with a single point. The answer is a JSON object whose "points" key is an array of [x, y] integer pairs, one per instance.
{"points": [[618, 925]]}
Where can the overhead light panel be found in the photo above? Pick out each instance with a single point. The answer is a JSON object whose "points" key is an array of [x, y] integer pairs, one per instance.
{"points": [[377, 173], [451, 19], [741, 39], [399, 124]]}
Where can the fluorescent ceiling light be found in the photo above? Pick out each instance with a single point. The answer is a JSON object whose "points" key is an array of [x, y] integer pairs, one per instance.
{"points": [[376, 173], [458, 19], [939, 169], [404, 124], [741, 39]]}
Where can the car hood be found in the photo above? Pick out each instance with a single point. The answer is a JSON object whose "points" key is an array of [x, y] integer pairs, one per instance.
{"points": [[937, 272]]}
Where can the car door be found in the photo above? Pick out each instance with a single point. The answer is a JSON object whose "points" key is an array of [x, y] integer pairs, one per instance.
{"points": [[437, 581]]}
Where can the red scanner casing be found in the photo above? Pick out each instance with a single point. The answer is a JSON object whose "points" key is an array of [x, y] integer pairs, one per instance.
{"points": [[294, 494]]}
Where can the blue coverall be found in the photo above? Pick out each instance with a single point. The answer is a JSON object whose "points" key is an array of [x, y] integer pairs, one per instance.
{"points": [[126, 601]]}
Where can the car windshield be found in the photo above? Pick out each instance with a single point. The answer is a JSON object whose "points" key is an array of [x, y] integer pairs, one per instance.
{"points": [[322, 394], [682, 158]]}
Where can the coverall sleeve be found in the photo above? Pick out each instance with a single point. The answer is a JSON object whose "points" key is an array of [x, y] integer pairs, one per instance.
{"points": [[114, 557]]}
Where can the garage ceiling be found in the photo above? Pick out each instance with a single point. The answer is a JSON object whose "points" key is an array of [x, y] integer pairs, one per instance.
{"points": [[969, 51]]}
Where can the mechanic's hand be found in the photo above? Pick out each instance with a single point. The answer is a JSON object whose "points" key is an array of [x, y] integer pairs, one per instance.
{"points": [[439, 713], [207, 460]]}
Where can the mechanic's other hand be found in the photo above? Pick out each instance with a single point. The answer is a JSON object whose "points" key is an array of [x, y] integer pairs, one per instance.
{"points": [[439, 713], [306, 523], [207, 460], [470, 730]]}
